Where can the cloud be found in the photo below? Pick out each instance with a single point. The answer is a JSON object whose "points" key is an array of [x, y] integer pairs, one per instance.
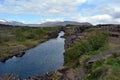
{"points": [[95, 12], [97, 19], [40, 7], [116, 12], [51, 20], [100, 14]]}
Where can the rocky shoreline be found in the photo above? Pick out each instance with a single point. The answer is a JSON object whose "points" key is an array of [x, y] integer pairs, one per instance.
{"points": [[9, 77], [65, 73], [61, 74]]}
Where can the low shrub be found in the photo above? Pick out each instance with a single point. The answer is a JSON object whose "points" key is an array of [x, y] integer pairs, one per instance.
{"points": [[92, 45]]}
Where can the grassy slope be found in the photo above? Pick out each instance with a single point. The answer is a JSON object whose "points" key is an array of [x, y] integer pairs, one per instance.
{"points": [[94, 43], [76, 55], [106, 69]]}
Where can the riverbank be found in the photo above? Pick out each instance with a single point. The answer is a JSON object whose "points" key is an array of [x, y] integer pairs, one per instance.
{"points": [[38, 60], [21, 39], [88, 64], [91, 54]]}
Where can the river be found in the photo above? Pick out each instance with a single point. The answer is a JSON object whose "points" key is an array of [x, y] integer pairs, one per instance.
{"points": [[45, 57]]}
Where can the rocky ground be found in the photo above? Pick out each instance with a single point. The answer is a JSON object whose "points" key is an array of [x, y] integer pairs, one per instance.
{"points": [[9, 77], [73, 39], [96, 57]]}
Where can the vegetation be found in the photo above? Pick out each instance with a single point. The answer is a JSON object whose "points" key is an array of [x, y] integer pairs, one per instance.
{"points": [[23, 38], [23, 34], [107, 69], [95, 41], [93, 44]]}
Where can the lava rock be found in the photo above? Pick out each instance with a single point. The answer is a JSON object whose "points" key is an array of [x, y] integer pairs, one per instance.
{"points": [[9, 77]]}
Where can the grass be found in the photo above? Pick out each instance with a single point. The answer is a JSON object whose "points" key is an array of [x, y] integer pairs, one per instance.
{"points": [[103, 69], [78, 68], [93, 44], [23, 38], [5, 53], [107, 69]]}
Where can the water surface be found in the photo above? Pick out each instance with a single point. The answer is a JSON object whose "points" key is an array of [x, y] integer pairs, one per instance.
{"points": [[45, 57]]}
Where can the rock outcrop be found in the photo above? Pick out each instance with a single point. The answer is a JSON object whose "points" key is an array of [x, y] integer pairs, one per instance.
{"points": [[46, 76], [68, 74], [60, 74], [75, 37], [9, 77]]}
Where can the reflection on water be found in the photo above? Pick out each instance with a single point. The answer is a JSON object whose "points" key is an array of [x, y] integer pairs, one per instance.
{"points": [[47, 56]]}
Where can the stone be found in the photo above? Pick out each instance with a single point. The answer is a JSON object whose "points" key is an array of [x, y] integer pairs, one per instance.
{"points": [[9, 77]]}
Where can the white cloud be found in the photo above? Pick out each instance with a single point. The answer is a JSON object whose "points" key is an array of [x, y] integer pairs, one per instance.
{"points": [[100, 13], [97, 19], [40, 7], [2, 20], [51, 20]]}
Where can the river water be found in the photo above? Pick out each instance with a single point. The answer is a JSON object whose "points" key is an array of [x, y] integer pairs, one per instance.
{"points": [[45, 57]]}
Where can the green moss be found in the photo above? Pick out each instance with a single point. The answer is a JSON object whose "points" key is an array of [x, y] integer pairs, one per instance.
{"points": [[107, 69], [97, 40], [94, 44], [96, 73], [5, 52], [78, 68]]}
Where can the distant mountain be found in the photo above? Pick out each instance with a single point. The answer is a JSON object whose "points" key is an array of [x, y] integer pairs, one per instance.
{"points": [[64, 23], [46, 24], [13, 23]]}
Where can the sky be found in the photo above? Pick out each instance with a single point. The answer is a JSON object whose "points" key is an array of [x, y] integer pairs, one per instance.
{"points": [[39, 11]]}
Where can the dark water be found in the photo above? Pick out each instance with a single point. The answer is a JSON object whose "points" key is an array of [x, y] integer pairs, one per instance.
{"points": [[47, 56]]}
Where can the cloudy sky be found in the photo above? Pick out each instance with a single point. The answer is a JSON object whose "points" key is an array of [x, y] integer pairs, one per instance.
{"points": [[38, 11]]}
